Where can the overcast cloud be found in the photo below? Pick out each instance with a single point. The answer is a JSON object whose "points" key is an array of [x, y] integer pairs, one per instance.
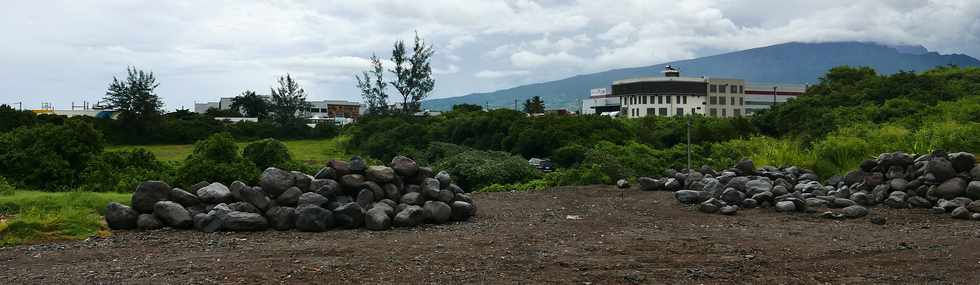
{"points": [[65, 51]]}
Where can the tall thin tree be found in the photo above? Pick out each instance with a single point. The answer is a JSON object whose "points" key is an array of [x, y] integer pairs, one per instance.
{"points": [[373, 87], [413, 73], [134, 97], [288, 101]]}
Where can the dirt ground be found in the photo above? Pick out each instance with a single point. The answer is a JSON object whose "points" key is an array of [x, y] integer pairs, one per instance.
{"points": [[573, 235]]}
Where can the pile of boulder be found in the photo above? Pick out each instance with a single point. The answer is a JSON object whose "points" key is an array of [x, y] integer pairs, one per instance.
{"points": [[940, 182], [341, 195]]}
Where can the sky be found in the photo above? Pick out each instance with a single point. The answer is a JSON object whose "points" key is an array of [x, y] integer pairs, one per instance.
{"points": [[65, 52]]}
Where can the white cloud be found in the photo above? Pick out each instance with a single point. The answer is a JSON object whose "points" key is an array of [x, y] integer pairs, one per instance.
{"points": [[494, 74], [451, 69], [527, 59]]}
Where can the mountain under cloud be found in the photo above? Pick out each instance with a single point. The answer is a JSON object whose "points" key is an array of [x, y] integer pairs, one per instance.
{"points": [[68, 51]]}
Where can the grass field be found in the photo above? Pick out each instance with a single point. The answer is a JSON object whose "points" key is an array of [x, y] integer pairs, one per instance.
{"points": [[32, 216], [303, 150]]}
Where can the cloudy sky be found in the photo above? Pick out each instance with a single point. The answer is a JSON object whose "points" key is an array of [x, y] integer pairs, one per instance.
{"points": [[65, 51]]}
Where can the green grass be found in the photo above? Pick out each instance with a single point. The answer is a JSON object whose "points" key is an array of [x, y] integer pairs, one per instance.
{"points": [[302, 150], [32, 216]]}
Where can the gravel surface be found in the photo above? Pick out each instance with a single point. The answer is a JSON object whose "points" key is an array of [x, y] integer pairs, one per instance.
{"points": [[570, 235]]}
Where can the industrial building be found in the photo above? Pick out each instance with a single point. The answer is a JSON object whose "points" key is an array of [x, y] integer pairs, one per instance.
{"points": [[674, 95]]}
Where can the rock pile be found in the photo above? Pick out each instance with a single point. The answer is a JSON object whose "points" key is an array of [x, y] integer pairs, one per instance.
{"points": [[341, 195], [940, 182]]}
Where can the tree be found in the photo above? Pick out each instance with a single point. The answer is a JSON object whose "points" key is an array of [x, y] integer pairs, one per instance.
{"points": [[467, 108], [287, 100], [251, 105], [534, 105], [413, 74], [373, 86], [134, 97]]}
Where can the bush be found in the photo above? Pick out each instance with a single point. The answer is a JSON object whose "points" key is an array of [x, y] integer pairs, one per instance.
{"points": [[49, 156], [475, 169], [569, 155], [5, 188], [266, 153], [216, 159], [123, 171]]}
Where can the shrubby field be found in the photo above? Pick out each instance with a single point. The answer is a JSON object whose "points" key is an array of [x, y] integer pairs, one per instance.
{"points": [[852, 114]]}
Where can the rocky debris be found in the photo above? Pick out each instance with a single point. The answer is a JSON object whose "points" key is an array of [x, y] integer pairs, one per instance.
{"points": [[940, 182], [623, 184], [341, 195]]}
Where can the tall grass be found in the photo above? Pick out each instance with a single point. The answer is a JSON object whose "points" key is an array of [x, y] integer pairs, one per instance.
{"points": [[31, 216]]}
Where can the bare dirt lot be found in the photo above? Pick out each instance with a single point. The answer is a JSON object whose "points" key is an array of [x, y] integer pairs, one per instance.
{"points": [[631, 237]]}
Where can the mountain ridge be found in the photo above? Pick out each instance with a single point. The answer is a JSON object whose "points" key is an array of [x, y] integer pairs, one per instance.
{"points": [[793, 63]]}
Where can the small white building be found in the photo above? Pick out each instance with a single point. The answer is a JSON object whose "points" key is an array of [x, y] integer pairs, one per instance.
{"points": [[673, 95]]}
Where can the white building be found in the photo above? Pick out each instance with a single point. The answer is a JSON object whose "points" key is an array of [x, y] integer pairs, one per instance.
{"points": [[338, 111], [761, 96], [673, 95], [601, 101]]}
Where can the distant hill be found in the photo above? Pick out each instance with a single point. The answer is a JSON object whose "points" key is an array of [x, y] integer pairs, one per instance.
{"points": [[801, 63]]}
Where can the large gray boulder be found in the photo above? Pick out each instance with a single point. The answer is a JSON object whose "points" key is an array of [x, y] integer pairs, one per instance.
{"points": [[281, 218], [649, 184], [962, 161], [437, 212], [352, 181], [325, 173], [350, 216], [952, 188], [214, 193], [148, 194], [173, 214], [961, 213], [387, 208], [413, 198], [290, 197], [258, 198], [327, 187], [148, 222], [275, 181], [973, 190], [380, 174], [732, 196], [939, 169], [462, 210], [404, 166], [855, 211], [244, 207], [313, 219], [311, 198], [896, 200], [444, 179], [409, 217], [365, 198], [785, 206], [690, 196], [975, 173], [357, 165], [758, 186], [745, 167], [377, 219], [184, 198], [120, 217], [244, 222], [392, 192], [430, 188], [340, 167], [919, 202], [302, 181]]}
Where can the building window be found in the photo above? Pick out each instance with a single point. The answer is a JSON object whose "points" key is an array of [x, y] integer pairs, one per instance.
{"points": [[651, 111], [733, 101], [645, 99], [713, 112], [714, 88], [660, 99], [741, 89], [678, 99], [663, 112], [668, 99], [722, 88], [693, 111], [734, 89], [738, 113], [721, 101], [712, 100], [724, 112], [741, 101], [685, 99], [680, 112]]}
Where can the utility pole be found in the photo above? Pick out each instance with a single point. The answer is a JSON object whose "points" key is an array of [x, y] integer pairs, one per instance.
{"points": [[20, 106], [773, 97], [688, 144]]}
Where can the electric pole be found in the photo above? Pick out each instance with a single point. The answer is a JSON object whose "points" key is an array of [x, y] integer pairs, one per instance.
{"points": [[688, 144]]}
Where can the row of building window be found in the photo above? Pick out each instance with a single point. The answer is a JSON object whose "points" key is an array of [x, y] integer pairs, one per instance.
{"points": [[725, 88], [642, 99], [662, 112], [720, 100], [724, 112]]}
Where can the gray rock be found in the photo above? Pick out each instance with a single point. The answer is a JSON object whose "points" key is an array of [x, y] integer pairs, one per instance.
{"points": [[313, 219], [377, 219], [340, 167], [430, 188], [842, 203], [949, 205], [352, 181], [937, 210], [197, 186], [258, 198], [302, 181], [411, 188], [856, 211], [897, 200], [392, 192], [879, 194], [446, 195], [275, 181], [437, 212], [148, 194], [854, 177], [975, 172], [326, 187], [975, 216], [311, 198], [952, 188], [962, 161], [673, 184], [244, 222], [710, 206], [455, 189], [235, 188], [973, 206], [758, 186], [940, 169], [409, 217], [898, 184], [861, 198], [325, 173], [919, 202], [649, 184], [350, 216], [749, 203], [183, 197], [404, 166], [779, 190], [444, 179], [148, 222], [961, 213], [173, 214], [816, 203], [729, 210], [214, 193], [244, 207], [895, 172], [388, 209], [878, 220], [376, 189], [281, 218], [380, 174], [201, 221], [365, 198], [732, 196], [413, 199], [738, 183], [688, 196], [785, 206], [120, 217], [357, 165], [973, 190], [745, 167], [462, 210], [290, 197]]}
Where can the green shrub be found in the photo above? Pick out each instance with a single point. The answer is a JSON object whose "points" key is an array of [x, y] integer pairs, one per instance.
{"points": [[123, 171], [569, 155], [49, 156], [5, 188], [475, 169], [266, 153], [216, 159]]}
